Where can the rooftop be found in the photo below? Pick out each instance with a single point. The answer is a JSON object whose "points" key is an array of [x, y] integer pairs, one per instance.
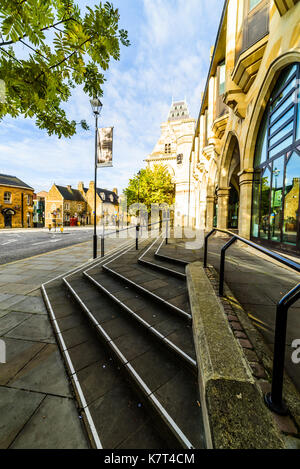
{"points": [[13, 181]]}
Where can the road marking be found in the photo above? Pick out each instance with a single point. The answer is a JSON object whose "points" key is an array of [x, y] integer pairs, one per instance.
{"points": [[8, 242], [49, 241]]}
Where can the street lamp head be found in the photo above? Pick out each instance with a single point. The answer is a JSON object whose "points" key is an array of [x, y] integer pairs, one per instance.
{"points": [[96, 105]]}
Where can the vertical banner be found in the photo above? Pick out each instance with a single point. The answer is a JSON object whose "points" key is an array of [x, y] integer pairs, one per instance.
{"points": [[104, 147]]}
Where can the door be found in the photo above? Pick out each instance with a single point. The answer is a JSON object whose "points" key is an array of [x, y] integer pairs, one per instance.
{"points": [[7, 220]]}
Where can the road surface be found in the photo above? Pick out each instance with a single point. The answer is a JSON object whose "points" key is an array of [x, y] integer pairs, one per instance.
{"points": [[20, 244]]}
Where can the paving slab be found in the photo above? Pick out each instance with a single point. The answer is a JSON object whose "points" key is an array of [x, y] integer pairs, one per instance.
{"points": [[36, 327], [56, 416], [16, 408], [31, 305], [44, 373], [11, 320]]}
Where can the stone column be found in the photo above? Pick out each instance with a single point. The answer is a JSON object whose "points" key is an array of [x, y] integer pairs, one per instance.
{"points": [[246, 185], [223, 200], [209, 212], [202, 215]]}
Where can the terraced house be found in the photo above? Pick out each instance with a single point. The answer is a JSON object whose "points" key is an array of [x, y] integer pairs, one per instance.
{"points": [[245, 158], [65, 205], [16, 203]]}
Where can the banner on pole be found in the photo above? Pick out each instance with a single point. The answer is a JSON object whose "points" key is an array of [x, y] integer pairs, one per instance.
{"points": [[104, 147]]}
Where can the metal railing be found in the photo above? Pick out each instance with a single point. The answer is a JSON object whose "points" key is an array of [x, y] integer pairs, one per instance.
{"points": [[138, 230], [273, 399]]}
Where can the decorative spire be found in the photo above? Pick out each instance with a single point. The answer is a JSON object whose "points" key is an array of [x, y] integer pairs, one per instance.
{"points": [[178, 111]]}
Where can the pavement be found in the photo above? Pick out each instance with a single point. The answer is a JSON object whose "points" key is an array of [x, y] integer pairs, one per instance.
{"points": [[258, 283], [37, 406]]}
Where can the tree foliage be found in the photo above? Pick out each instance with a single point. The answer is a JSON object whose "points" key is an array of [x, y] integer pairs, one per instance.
{"points": [[65, 49], [151, 186]]}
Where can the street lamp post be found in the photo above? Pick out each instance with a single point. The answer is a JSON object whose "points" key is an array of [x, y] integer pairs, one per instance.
{"points": [[96, 107]]}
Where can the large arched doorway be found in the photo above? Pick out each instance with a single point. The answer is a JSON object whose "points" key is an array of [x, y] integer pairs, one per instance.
{"points": [[228, 191], [275, 200]]}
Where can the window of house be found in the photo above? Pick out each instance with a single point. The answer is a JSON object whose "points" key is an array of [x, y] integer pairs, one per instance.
{"points": [[253, 3], [7, 197], [168, 148], [67, 206], [222, 78]]}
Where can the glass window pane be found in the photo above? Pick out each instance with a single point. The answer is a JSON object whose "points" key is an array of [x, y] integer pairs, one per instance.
{"points": [[298, 114], [291, 200], [222, 79], [255, 203], [283, 78], [261, 143], [282, 95], [282, 146], [265, 204], [276, 199], [253, 3], [283, 107], [287, 129], [281, 121]]}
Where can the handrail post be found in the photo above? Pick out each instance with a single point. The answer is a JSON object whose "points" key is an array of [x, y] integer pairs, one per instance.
{"points": [[222, 264], [137, 237], [102, 246], [274, 399], [205, 247], [167, 229]]}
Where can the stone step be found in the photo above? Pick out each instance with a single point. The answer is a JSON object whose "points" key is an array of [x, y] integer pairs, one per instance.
{"points": [[172, 294], [167, 387], [113, 412], [175, 333], [149, 259]]}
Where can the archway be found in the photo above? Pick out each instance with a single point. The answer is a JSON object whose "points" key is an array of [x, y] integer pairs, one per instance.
{"points": [[228, 191], [276, 192]]}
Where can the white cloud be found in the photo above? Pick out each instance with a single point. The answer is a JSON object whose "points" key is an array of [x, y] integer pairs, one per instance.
{"points": [[169, 57]]}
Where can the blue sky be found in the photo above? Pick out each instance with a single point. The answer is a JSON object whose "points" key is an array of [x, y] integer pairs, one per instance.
{"points": [[168, 56]]}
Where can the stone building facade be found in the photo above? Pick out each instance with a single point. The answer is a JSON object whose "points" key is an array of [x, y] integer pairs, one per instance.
{"points": [[16, 203], [64, 204], [107, 203], [245, 155], [173, 151]]}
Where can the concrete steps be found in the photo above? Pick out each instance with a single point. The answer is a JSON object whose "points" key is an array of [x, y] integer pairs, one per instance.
{"points": [[123, 338]]}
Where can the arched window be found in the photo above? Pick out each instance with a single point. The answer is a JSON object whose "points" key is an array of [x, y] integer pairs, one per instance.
{"points": [[275, 207]]}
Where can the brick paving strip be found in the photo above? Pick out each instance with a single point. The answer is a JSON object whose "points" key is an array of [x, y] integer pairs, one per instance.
{"points": [[37, 405]]}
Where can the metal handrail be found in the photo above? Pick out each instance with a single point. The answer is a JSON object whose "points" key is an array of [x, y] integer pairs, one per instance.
{"points": [[137, 229], [273, 399]]}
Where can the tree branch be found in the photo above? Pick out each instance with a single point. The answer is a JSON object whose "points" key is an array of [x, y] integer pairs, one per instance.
{"points": [[11, 56], [8, 43]]}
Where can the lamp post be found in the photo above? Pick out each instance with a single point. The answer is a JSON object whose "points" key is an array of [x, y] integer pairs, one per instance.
{"points": [[96, 107]]}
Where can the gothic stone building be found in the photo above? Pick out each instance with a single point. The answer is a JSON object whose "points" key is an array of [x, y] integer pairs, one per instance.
{"points": [[245, 156], [173, 151]]}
